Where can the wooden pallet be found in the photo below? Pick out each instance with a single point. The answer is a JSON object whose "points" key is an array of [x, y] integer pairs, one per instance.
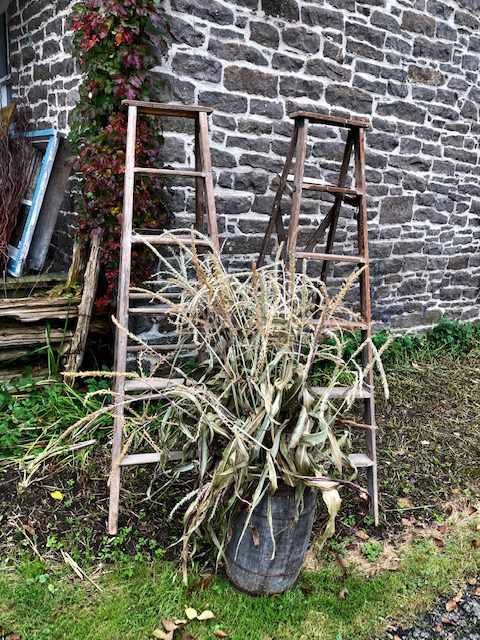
{"points": [[294, 174]]}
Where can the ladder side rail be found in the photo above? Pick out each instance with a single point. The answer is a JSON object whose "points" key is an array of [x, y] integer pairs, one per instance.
{"points": [[338, 201], [275, 216], [365, 305], [204, 147], [122, 317], [199, 182], [300, 155]]}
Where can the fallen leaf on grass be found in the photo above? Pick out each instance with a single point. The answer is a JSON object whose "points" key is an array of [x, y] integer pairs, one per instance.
{"points": [[160, 634], [180, 621], [451, 605], [220, 634], [191, 613], [404, 503], [57, 495], [205, 581], [206, 615], [169, 625], [363, 535], [343, 594]]}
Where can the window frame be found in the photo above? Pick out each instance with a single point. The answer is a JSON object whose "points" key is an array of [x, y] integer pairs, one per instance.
{"points": [[5, 80]]}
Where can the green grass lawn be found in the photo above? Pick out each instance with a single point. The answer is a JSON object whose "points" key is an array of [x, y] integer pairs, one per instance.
{"points": [[41, 602]]}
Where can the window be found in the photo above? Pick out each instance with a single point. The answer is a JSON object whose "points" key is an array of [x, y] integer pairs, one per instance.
{"points": [[4, 66]]}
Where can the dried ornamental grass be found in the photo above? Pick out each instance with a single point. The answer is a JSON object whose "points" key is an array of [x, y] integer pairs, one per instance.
{"points": [[249, 417]]}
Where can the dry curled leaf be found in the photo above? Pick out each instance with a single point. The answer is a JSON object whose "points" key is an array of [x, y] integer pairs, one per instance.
{"points": [[191, 613], [363, 535], [179, 622], [255, 536], [451, 605], [220, 634], [160, 634], [343, 594], [169, 625], [476, 544], [206, 615]]}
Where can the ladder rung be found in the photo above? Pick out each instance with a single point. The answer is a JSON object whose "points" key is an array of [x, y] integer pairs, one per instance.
{"points": [[138, 238], [173, 110], [336, 121], [331, 188], [150, 295], [360, 460], [148, 458], [356, 425], [186, 173], [151, 310], [161, 347], [339, 323], [305, 255], [154, 384], [341, 392], [311, 184]]}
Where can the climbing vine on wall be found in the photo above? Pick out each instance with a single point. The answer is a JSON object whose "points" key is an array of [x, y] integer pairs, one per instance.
{"points": [[116, 43]]}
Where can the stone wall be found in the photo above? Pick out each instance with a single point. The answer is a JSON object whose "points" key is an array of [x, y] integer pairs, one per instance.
{"points": [[43, 70], [45, 76], [410, 65]]}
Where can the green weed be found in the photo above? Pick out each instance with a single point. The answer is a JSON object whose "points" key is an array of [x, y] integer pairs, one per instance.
{"points": [[137, 594], [372, 550]]}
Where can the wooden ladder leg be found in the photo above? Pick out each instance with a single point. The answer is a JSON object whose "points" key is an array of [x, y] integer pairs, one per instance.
{"points": [[365, 304], [338, 202], [275, 217], [300, 155], [207, 168], [122, 317], [199, 183]]}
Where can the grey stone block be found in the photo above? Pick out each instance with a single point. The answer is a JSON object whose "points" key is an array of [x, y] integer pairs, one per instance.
{"points": [[396, 210], [251, 81]]}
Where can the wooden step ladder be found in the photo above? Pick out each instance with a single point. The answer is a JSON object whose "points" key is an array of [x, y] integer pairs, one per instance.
{"points": [[356, 197], [202, 174]]}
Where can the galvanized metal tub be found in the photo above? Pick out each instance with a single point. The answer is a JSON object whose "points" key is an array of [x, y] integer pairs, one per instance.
{"points": [[252, 569]]}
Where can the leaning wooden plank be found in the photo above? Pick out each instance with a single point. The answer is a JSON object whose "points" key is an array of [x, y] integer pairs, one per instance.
{"points": [[85, 308], [31, 336], [35, 303], [29, 284], [23, 313]]}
